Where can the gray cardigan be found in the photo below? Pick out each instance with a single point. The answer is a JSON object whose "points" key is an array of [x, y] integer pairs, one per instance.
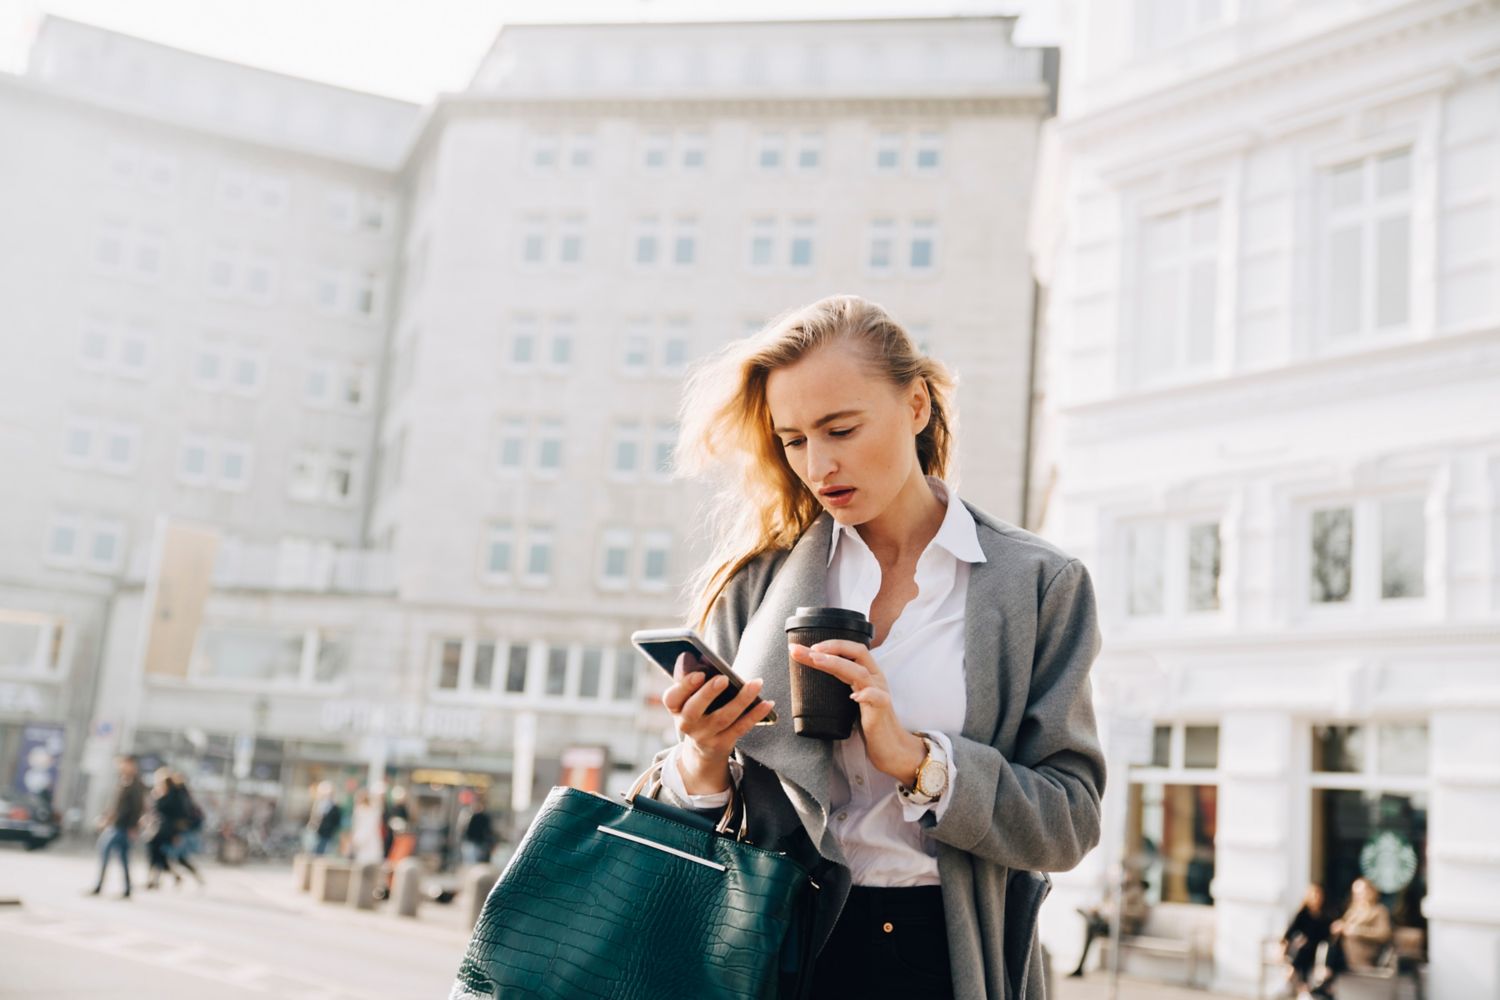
{"points": [[1029, 766]]}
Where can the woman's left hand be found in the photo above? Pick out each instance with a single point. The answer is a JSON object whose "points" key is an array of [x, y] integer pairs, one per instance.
{"points": [[892, 749]]}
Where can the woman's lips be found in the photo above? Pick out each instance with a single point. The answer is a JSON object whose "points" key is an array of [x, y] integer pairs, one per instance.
{"points": [[839, 499]]}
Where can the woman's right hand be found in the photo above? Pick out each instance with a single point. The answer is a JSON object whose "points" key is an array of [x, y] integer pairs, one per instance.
{"points": [[708, 738]]}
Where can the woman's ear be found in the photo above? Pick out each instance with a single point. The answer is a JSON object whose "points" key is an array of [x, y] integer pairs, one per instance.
{"points": [[921, 406]]}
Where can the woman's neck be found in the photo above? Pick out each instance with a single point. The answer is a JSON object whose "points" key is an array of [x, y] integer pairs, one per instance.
{"points": [[901, 531]]}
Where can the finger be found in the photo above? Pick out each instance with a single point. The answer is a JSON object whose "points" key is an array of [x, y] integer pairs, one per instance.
{"points": [[676, 695], [710, 689], [851, 673], [874, 697], [725, 717]]}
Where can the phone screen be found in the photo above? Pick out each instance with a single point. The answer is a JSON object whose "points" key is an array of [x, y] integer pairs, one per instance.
{"points": [[666, 651]]}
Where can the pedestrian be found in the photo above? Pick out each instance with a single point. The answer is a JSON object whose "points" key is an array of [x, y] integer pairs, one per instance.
{"points": [[325, 819], [365, 840], [166, 820], [118, 825], [189, 827], [1310, 928], [975, 762], [479, 834], [1358, 937], [1099, 918]]}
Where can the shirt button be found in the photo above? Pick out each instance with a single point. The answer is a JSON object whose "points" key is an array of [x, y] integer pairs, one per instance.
{"points": [[859, 779], [888, 927], [843, 816]]}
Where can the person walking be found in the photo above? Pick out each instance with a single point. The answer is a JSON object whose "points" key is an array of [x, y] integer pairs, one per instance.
{"points": [[119, 824], [167, 819], [326, 818], [189, 827], [365, 840], [479, 834], [975, 763]]}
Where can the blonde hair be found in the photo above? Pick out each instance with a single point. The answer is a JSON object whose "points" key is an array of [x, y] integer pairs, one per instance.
{"points": [[758, 503]]}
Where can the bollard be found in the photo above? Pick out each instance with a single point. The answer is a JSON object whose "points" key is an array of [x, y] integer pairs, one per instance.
{"points": [[477, 883], [362, 883], [408, 889], [330, 880], [302, 870]]}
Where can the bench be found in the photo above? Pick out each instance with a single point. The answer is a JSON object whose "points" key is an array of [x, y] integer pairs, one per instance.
{"points": [[1398, 976], [1175, 935]]}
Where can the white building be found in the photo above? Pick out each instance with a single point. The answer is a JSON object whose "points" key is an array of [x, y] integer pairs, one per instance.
{"points": [[420, 368], [1272, 259]]}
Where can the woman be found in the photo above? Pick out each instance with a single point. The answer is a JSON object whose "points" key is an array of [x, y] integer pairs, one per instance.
{"points": [[366, 842], [1308, 929], [835, 437], [166, 815], [1358, 936], [189, 824]]}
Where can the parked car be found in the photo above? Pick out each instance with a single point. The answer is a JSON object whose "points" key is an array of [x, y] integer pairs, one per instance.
{"points": [[27, 819]]}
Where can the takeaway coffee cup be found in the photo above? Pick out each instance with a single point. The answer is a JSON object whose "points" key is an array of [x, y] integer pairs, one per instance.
{"points": [[821, 707]]}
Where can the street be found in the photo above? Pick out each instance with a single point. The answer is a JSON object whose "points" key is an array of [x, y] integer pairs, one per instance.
{"points": [[245, 935]]}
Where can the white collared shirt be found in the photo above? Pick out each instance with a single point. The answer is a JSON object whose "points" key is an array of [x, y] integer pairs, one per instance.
{"points": [[922, 657]]}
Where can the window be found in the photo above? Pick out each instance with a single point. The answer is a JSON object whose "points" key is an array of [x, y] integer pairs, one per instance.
{"points": [[762, 243], [590, 672], [193, 462], [500, 553], [693, 150], [512, 457], [674, 352], [881, 255], [31, 642], [368, 288], [248, 654], [549, 447], [339, 209], [664, 443], [484, 666], [636, 356], [78, 443], [647, 242], [1203, 566], [64, 533], [556, 680], [801, 256], [570, 241], [888, 152], [246, 373], [339, 481], [120, 443], [770, 150], [658, 547], [450, 662], [654, 150], [374, 212], [1178, 293], [533, 241], [560, 353], [1369, 812], [260, 279], [1172, 814], [928, 156], [923, 246], [614, 571], [539, 556], [685, 243], [1403, 547], [625, 673], [324, 476], [809, 155], [580, 151], [626, 449], [234, 466], [515, 668], [1332, 554], [543, 152], [1367, 245], [1145, 551], [523, 344]]}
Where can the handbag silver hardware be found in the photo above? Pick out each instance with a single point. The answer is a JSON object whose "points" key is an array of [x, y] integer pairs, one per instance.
{"points": [[660, 847]]}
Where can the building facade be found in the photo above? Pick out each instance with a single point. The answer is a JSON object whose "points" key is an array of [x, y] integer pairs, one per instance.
{"points": [[1271, 251], [418, 372]]}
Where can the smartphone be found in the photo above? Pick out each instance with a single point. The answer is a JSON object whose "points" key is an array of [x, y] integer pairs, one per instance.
{"points": [[662, 646]]}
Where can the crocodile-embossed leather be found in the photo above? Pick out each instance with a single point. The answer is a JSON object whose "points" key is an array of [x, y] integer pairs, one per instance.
{"points": [[581, 914]]}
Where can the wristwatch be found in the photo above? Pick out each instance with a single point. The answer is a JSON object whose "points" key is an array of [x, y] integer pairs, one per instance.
{"points": [[932, 775]]}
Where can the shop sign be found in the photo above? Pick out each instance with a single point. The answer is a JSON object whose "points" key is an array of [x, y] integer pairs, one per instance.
{"points": [[20, 699], [41, 753], [1389, 861]]}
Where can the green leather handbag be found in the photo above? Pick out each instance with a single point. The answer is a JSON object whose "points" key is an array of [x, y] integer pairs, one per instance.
{"points": [[636, 899]]}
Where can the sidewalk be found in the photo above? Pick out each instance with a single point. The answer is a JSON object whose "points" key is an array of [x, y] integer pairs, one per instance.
{"points": [[1096, 987]]}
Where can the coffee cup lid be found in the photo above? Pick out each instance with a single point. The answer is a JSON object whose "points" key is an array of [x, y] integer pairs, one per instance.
{"points": [[844, 618]]}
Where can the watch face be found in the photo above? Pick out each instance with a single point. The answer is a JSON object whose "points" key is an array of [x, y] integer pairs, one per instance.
{"points": [[932, 777]]}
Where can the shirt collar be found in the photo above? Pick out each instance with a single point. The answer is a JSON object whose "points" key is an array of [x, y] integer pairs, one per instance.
{"points": [[958, 533]]}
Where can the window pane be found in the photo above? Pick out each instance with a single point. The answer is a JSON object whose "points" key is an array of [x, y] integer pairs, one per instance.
{"points": [[1200, 746], [625, 671], [1393, 173], [1392, 271], [515, 669], [1338, 749], [333, 659], [500, 554], [1375, 835], [448, 666], [1332, 554], [1346, 185], [249, 655], [590, 672], [1403, 748], [1403, 547], [557, 669], [1159, 322], [1203, 567], [1344, 281], [484, 666], [1171, 831], [1161, 746], [1202, 291], [1145, 544]]}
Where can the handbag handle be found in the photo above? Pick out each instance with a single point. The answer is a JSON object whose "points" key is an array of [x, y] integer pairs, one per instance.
{"points": [[650, 782]]}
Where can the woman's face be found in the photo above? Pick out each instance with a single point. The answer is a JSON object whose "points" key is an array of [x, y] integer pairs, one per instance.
{"points": [[841, 427]]}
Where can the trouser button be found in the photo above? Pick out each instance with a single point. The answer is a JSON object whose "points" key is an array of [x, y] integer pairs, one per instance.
{"points": [[888, 927]]}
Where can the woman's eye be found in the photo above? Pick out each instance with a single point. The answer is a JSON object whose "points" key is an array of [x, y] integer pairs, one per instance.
{"points": [[844, 433], [791, 444]]}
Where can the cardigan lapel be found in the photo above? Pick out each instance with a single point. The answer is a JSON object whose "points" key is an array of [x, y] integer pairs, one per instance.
{"points": [[982, 644]]}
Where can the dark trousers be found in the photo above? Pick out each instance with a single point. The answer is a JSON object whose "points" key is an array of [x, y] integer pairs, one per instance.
{"points": [[888, 943], [114, 840]]}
